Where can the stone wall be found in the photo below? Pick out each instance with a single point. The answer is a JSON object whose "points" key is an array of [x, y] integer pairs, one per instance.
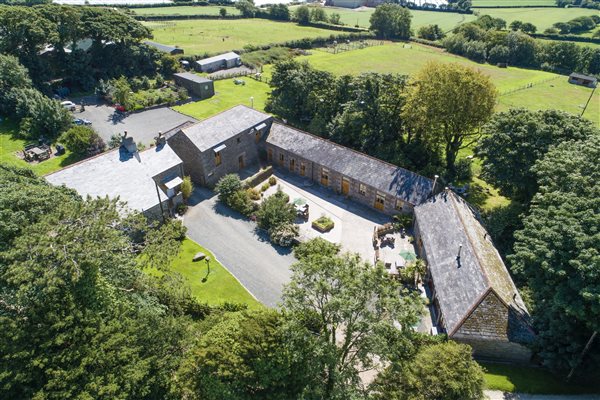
{"points": [[189, 154], [311, 170], [496, 350], [488, 321]]}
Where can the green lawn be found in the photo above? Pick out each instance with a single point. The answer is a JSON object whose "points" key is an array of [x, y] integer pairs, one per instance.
{"points": [[227, 95], [185, 10], [10, 144], [219, 287], [512, 3], [360, 17], [213, 36], [511, 378], [542, 18]]}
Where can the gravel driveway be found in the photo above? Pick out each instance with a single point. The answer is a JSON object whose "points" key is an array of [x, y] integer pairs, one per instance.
{"points": [[143, 126], [262, 268]]}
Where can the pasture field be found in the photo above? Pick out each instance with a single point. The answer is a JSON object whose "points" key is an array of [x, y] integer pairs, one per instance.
{"points": [[542, 18], [548, 90], [227, 95], [361, 16], [213, 36], [184, 10], [512, 3]]}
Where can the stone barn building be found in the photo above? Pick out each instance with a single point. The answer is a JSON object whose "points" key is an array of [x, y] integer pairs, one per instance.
{"points": [[196, 85], [474, 298], [220, 145], [362, 178]]}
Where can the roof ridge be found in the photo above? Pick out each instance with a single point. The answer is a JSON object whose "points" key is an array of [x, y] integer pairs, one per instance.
{"points": [[276, 121], [226, 110]]}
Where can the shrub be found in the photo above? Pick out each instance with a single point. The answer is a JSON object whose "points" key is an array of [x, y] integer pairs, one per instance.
{"points": [[265, 187], [181, 208], [227, 186], [187, 187], [115, 141], [281, 194], [284, 234], [82, 140], [241, 202], [464, 172], [272, 181], [253, 194], [403, 221], [275, 211], [323, 224]]}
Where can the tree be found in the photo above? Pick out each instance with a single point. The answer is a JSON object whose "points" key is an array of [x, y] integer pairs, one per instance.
{"points": [[187, 187], [431, 32], [390, 21], [120, 91], [335, 19], [222, 11], [515, 140], [449, 126], [13, 75], [347, 309], [528, 27], [227, 186], [318, 14], [444, 371], [246, 7], [515, 25], [242, 356], [275, 211], [279, 12], [302, 15], [82, 140], [39, 115], [557, 252]]}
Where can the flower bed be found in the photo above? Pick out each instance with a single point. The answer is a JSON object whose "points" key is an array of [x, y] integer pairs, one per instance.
{"points": [[323, 224]]}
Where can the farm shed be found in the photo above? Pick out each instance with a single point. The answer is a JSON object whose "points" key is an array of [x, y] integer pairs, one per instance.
{"points": [[583, 80], [165, 48], [216, 63], [196, 85], [474, 298]]}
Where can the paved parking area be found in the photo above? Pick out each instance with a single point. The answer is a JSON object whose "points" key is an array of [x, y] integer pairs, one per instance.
{"points": [[143, 126]]}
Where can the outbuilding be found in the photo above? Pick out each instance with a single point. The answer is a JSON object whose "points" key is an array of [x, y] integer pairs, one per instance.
{"points": [[583, 80], [216, 63], [196, 85], [165, 48]]}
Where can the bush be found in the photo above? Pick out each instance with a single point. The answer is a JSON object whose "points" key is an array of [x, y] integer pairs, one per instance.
{"points": [[227, 186], [282, 195], [265, 187], [82, 140], [275, 211], [323, 224], [115, 141], [241, 202], [284, 234], [272, 181], [181, 208], [187, 187], [464, 172], [253, 194], [403, 221]]}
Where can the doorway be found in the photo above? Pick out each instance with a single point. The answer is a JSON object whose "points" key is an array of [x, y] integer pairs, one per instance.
{"points": [[345, 186], [241, 162]]}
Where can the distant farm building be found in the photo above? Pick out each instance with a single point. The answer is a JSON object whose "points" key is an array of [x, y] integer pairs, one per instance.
{"points": [[216, 63], [165, 48], [196, 85], [583, 80]]}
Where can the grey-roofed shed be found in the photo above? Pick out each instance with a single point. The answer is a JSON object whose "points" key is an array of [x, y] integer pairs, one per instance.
{"points": [[473, 293], [196, 85], [165, 48], [140, 179], [221, 61], [362, 176]]}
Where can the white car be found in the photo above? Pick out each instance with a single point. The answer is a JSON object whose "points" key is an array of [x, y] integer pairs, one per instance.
{"points": [[69, 105]]}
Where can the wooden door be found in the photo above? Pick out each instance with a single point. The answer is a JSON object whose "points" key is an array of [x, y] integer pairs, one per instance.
{"points": [[302, 169], [379, 202], [345, 186], [241, 162], [292, 164], [324, 177]]}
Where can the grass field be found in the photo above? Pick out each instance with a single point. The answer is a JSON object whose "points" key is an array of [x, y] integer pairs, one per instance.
{"points": [[512, 3], [11, 144], [214, 288], [184, 10], [361, 16], [542, 18], [510, 378], [227, 95], [212, 36], [548, 91]]}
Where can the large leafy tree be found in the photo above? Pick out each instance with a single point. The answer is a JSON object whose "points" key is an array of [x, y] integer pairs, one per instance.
{"points": [[13, 75], [391, 21], [349, 311], [444, 371], [515, 140], [558, 251], [39, 114], [447, 105]]}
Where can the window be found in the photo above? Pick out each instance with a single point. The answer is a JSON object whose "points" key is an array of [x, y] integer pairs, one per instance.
{"points": [[324, 177], [217, 158], [257, 137], [270, 154], [238, 140], [302, 169], [362, 189], [281, 158], [399, 204], [292, 164]]}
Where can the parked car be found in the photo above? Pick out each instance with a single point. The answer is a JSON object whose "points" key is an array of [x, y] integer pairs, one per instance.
{"points": [[69, 105], [81, 121]]}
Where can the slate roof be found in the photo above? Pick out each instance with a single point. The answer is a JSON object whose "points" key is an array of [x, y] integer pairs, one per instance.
{"points": [[445, 222], [164, 47], [225, 56], [118, 173], [584, 77], [215, 130], [192, 77], [385, 177]]}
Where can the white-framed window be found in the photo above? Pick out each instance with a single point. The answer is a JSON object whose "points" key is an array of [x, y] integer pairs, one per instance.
{"points": [[362, 189], [399, 204]]}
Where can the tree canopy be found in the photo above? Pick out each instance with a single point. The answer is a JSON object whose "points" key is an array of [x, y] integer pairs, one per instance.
{"points": [[391, 21]]}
